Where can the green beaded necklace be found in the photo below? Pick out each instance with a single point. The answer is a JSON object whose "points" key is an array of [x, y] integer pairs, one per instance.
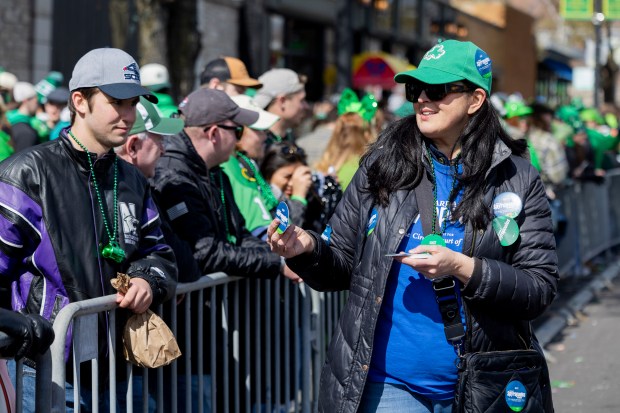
{"points": [[112, 250], [229, 237], [265, 190]]}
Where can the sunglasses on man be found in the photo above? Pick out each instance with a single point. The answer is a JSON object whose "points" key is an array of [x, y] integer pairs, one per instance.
{"points": [[238, 129], [433, 92]]}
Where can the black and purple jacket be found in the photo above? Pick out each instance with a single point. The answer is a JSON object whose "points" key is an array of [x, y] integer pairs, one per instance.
{"points": [[51, 229]]}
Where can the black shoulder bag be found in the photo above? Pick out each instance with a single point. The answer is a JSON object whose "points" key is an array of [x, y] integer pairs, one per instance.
{"points": [[492, 381]]}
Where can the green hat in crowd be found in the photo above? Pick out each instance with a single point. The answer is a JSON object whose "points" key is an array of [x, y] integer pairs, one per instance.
{"points": [[577, 103], [148, 119], [49, 83], [517, 108], [591, 115], [569, 115], [611, 120], [450, 61]]}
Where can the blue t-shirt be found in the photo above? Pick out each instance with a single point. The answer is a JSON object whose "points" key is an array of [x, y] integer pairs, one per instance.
{"points": [[410, 346]]}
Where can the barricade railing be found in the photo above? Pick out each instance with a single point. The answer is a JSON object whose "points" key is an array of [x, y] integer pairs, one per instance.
{"points": [[249, 345], [592, 213]]}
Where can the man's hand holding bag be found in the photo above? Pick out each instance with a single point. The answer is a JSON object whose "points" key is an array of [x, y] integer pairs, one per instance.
{"points": [[147, 340]]}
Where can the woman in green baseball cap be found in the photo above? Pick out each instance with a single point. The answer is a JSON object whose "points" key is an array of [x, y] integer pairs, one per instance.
{"points": [[444, 240]]}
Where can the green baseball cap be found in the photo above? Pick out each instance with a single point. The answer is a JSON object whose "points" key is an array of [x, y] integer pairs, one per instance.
{"points": [[591, 115], [450, 61], [517, 109], [148, 119]]}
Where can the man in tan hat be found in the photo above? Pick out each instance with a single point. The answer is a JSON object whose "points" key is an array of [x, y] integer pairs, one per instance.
{"points": [[228, 74]]}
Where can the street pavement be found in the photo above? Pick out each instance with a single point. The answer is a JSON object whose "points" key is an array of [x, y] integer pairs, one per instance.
{"points": [[583, 357]]}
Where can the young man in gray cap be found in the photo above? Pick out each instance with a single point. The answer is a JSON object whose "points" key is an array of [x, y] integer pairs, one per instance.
{"points": [[74, 215], [197, 196], [283, 94]]}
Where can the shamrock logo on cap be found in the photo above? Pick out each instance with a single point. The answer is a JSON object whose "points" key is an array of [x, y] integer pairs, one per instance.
{"points": [[435, 53]]}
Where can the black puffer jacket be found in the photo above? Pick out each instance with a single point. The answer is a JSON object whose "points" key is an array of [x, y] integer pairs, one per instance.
{"points": [[192, 202], [509, 287]]}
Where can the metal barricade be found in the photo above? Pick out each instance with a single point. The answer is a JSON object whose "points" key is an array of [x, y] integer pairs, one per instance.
{"points": [[259, 343], [250, 345], [592, 222]]}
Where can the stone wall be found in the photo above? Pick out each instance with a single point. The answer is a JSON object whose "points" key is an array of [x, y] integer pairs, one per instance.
{"points": [[25, 38], [218, 24], [16, 37]]}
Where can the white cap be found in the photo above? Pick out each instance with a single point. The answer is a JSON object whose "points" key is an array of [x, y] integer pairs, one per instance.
{"points": [[23, 91], [7, 80], [265, 119], [155, 76]]}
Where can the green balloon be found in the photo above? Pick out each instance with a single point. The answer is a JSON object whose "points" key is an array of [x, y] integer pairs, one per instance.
{"points": [[506, 229]]}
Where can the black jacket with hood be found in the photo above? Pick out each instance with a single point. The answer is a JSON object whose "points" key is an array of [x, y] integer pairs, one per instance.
{"points": [[191, 197], [510, 285]]}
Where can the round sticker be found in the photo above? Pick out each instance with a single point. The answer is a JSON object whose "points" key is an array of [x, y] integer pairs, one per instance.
{"points": [[282, 215], [483, 64], [506, 229], [516, 395], [508, 204], [433, 239]]}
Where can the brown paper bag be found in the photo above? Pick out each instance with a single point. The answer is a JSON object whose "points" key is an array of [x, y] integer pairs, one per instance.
{"points": [[147, 340]]}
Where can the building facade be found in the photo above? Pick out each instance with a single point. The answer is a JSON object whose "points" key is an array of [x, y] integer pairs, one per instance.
{"points": [[317, 38]]}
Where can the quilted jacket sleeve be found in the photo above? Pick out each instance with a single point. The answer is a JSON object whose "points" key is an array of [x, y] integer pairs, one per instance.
{"points": [[330, 265], [527, 285]]}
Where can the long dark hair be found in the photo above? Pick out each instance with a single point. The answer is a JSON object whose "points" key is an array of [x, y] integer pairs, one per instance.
{"points": [[397, 159]]}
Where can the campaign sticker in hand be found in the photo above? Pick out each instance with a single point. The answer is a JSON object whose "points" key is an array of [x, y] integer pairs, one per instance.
{"points": [[506, 229], [507, 204], [282, 215], [433, 239], [516, 395]]}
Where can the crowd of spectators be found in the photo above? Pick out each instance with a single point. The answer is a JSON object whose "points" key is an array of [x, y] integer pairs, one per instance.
{"points": [[220, 160]]}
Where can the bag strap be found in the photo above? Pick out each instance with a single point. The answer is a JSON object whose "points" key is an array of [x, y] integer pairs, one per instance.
{"points": [[443, 287]]}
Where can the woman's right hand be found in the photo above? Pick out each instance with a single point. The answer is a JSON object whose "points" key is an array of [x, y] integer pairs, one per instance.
{"points": [[293, 242], [301, 181]]}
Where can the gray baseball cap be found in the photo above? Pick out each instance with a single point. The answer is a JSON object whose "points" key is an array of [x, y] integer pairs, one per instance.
{"points": [[113, 71], [277, 82], [211, 106]]}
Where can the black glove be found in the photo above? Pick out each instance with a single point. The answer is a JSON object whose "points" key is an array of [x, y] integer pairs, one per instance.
{"points": [[30, 334]]}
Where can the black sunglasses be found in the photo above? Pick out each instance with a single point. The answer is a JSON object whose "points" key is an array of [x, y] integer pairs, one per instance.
{"points": [[238, 129], [433, 92]]}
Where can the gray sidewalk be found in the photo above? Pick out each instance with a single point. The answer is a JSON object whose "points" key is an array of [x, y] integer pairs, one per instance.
{"points": [[573, 295], [583, 357]]}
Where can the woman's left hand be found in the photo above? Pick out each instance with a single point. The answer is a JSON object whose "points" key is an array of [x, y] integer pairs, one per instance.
{"points": [[441, 261]]}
